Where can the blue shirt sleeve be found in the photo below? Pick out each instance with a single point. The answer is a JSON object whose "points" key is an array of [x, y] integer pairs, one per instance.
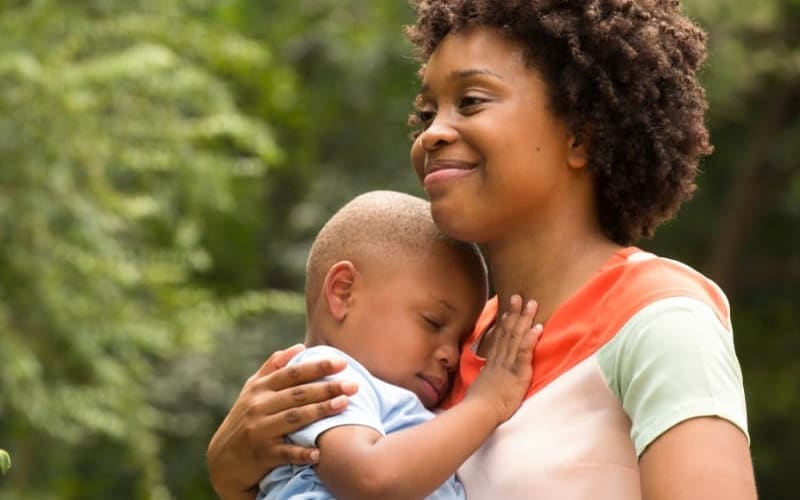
{"points": [[363, 408]]}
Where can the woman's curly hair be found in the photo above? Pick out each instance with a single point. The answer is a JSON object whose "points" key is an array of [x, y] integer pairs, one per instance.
{"points": [[623, 72]]}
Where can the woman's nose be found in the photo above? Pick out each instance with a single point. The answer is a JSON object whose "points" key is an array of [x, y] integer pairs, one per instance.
{"points": [[438, 133]]}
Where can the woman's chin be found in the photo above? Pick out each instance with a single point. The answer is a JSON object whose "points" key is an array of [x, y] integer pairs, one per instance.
{"points": [[454, 223]]}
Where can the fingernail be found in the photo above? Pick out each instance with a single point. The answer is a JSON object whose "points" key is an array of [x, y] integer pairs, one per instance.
{"points": [[349, 386], [314, 456], [337, 362], [338, 402]]}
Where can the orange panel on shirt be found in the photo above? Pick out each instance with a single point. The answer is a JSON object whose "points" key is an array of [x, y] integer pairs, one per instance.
{"points": [[629, 281]]}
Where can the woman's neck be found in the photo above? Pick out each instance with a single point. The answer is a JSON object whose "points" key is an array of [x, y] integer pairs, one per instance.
{"points": [[547, 266]]}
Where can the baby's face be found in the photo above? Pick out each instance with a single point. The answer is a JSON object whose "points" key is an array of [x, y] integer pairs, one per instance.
{"points": [[411, 318]]}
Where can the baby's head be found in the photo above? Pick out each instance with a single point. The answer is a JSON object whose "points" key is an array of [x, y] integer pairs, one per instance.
{"points": [[386, 286]]}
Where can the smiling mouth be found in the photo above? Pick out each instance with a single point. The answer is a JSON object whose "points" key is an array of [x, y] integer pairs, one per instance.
{"points": [[441, 173], [439, 165]]}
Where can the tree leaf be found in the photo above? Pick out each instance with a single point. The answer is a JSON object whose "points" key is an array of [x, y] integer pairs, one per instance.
{"points": [[5, 461]]}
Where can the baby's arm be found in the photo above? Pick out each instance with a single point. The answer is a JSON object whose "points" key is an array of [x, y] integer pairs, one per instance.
{"points": [[358, 462]]}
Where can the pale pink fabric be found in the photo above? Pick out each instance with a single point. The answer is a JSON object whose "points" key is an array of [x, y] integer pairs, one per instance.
{"points": [[569, 441]]}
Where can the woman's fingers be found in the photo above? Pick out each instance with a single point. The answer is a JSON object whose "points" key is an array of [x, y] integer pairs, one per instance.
{"points": [[294, 418], [295, 375], [290, 407], [293, 454], [278, 360], [313, 393], [275, 401]]}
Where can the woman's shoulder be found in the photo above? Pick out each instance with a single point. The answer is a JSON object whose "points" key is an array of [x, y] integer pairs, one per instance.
{"points": [[638, 279], [674, 360]]}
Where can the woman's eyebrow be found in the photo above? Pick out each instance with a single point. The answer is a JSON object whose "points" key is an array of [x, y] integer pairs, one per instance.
{"points": [[461, 74], [466, 73]]}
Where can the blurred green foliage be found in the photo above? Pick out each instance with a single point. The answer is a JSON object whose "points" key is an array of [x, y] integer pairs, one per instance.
{"points": [[166, 163], [5, 461]]}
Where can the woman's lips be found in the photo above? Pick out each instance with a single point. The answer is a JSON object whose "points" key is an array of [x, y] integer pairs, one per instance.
{"points": [[439, 172]]}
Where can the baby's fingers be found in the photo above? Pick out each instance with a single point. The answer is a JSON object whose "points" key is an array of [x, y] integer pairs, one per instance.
{"points": [[528, 344], [527, 331], [516, 326], [507, 325]]}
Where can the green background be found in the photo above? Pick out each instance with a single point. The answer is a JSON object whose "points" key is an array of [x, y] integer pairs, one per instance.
{"points": [[164, 165]]}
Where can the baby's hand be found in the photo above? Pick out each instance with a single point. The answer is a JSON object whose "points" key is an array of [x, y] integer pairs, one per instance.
{"points": [[507, 373]]}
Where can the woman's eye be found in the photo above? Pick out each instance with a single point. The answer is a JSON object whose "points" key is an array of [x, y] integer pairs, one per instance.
{"points": [[424, 117], [423, 113], [468, 101], [419, 121]]}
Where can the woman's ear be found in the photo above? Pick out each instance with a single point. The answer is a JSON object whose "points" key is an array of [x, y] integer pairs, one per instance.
{"points": [[338, 288], [578, 155]]}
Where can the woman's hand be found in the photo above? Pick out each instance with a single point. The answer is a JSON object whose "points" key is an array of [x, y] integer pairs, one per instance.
{"points": [[274, 401]]}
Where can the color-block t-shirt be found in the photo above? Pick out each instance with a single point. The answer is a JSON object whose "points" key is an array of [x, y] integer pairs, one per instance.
{"points": [[641, 347]]}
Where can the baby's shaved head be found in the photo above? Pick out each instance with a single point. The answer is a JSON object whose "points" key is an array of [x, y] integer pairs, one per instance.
{"points": [[381, 226]]}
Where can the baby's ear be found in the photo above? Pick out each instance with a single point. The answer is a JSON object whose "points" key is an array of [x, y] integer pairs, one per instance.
{"points": [[338, 288]]}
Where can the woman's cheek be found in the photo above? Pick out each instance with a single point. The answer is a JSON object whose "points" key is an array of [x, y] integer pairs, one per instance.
{"points": [[418, 158]]}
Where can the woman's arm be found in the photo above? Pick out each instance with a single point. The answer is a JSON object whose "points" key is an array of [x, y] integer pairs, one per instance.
{"points": [[680, 383], [358, 462], [274, 401], [703, 458]]}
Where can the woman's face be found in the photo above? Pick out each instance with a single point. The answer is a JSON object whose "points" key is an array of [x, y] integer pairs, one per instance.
{"points": [[492, 157]]}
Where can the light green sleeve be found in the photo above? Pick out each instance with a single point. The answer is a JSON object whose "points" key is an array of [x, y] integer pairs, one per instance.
{"points": [[672, 361]]}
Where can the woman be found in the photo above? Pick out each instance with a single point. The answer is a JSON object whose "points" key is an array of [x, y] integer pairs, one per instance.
{"points": [[556, 134]]}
